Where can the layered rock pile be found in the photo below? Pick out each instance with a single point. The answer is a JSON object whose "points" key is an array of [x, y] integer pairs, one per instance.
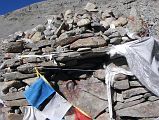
{"points": [[70, 50]]}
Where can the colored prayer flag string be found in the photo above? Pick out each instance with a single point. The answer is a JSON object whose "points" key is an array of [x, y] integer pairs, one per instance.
{"points": [[79, 114]]}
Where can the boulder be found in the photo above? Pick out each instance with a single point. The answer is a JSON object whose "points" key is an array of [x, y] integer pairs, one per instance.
{"points": [[14, 47], [88, 42]]}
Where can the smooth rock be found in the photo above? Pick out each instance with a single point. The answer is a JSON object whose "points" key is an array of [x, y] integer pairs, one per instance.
{"points": [[83, 22], [133, 92], [121, 85], [16, 76], [146, 109], [88, 42]]}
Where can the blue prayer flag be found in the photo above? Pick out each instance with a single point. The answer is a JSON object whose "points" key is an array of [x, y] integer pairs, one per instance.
{"points": [[38, 92]]}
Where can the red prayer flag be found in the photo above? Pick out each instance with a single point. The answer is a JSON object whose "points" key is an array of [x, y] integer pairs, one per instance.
{"points": [[80, 115]]}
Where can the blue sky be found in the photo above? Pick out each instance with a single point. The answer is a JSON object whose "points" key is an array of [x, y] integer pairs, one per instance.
{"points": [[10, 5]]}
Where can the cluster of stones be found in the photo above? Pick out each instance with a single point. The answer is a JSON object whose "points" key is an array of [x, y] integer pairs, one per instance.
{"points": [[76, 41]]}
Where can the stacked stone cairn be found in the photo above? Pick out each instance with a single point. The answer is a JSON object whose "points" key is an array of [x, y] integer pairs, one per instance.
{"points": [[78, 44]]}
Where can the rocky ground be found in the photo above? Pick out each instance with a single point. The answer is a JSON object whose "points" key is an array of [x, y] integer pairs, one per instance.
{"points": [[79, 38], [35, 14]]}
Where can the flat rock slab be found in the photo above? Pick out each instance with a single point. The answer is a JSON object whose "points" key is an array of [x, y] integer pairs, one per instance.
{"points": [[96, 52], [13, 96], [17, 76], [88, 42], [85, 93], [134, 92], [20, 102], [146, 109]]}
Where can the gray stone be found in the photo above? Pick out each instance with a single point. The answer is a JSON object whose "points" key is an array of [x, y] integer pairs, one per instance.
{"points": [[146, 109], [71, 39], [135, 84], [115, 40], [32, 60], [43, 43], [134, 98], [100, 74], [40, 28], [16, 76], [83, 49], [12, 90], [58, 31], [13, 96], [26, 68], [20, 102], [14, 116], [88, 42], [49, 32], [91, 7], [120, 76], [153, 98], [96, 52], [121, 85], [83, 22], [10, 63], [120, 105], [119, 97], [29, 81], [37, 37], [47, 50], [133, 92], [14, 47]]}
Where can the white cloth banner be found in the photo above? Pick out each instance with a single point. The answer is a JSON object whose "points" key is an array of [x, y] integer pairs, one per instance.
{"points": [[54, 110]]}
